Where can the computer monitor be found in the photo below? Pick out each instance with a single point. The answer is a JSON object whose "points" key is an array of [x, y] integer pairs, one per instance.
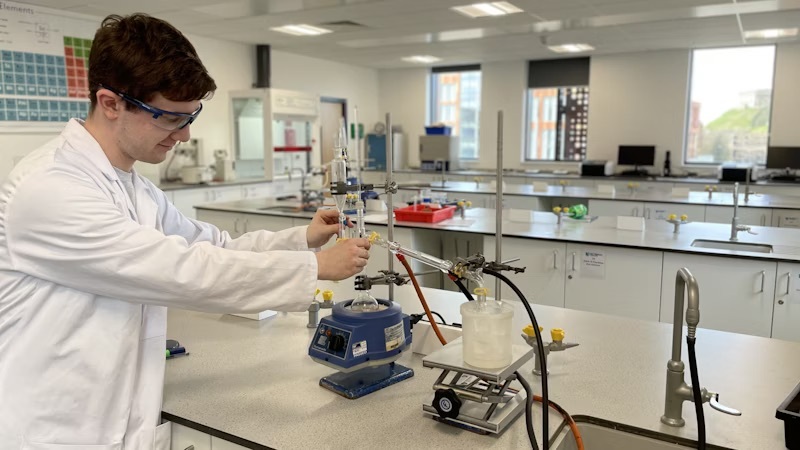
{"points": [[783, 157], [636, 155]]}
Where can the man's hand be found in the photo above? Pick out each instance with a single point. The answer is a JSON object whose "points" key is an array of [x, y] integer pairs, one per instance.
{"points": [[323, 226], [343, 260]]}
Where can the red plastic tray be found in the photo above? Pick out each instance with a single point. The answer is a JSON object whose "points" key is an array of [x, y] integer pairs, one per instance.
{"points": [[424, 213]]}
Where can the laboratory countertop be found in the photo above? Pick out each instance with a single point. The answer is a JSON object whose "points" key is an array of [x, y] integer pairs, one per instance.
{"points": [[253, 383], [573, 175], [639, 195], [177, 185], [657, 235]]}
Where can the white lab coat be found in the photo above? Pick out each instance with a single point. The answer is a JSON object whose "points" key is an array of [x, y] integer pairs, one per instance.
{"points": [[85, 279]]}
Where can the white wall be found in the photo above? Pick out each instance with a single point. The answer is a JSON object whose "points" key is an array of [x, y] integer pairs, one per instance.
{"points": [[784, 129], [638, 99], [403, 93], [232, 65], [359, 85], [502, 88], [635, 98]]}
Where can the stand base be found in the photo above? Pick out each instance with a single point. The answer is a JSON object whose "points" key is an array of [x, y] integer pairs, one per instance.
{"points": [[365, 381]]}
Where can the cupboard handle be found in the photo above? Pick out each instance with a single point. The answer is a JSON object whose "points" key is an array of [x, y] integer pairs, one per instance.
{"points": [[191, 447], [236, 225], [788, 282], [244, 230], [763, 279], [573, 261], [555, 259], [648, 213], [763, 220]]}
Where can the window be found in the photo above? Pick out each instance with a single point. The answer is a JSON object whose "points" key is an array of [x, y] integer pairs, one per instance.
{"points": [[557, 110], [729, 106], [557, 123], [456, 102]]}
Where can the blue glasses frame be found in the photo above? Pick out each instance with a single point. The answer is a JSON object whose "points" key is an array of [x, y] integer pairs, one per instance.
{"points": [[181, 120]]}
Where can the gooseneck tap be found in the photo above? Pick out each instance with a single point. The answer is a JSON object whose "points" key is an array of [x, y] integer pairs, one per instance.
{"points": [[677, 389], [735, 226]]}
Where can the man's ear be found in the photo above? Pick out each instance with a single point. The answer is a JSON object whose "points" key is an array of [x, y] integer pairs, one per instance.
{"points": [[109, 104]]}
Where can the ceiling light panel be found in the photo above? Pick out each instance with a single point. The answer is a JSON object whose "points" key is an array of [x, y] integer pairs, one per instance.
{"points": [[301, 30], [421, 59], [772, 33], [493, 9], [571, 48]]}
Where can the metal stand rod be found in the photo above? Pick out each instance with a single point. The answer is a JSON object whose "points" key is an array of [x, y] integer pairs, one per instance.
{"points": [[499, 203], [389, 200], [358, 152]]}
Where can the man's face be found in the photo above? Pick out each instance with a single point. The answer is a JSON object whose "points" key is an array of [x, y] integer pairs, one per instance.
{"points": [[141, 139]]}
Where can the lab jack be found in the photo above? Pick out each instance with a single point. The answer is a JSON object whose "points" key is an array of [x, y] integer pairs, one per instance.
{"points": [[479, 400]]}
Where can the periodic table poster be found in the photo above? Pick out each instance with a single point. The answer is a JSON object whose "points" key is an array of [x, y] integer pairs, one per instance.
{"points": [[44, 63]]}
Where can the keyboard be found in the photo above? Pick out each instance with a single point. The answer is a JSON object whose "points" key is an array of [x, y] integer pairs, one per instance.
{"points": [[785, 178]]}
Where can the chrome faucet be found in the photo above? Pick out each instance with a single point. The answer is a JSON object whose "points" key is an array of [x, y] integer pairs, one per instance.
{"points": [[677, 389], [747, 186], [735, 226], [289, 172]]}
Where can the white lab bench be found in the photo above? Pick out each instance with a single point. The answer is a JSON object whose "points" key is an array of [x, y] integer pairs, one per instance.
{"points": [[253, 384], [751, 293]]}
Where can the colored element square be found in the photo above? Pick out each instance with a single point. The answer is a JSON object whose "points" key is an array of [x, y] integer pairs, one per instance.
{"points": [[67, 41]]}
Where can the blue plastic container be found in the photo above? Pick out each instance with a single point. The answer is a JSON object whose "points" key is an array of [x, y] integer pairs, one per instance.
{"points": [[446, 131]]}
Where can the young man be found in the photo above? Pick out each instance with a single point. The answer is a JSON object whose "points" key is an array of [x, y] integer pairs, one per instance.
{"points": [[92, 254]]}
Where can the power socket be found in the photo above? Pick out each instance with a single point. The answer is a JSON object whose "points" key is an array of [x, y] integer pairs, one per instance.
{"points": [[425, 342]]}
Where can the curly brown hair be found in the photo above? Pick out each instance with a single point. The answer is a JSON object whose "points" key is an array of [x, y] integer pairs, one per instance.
{"points": [[141, 56]]}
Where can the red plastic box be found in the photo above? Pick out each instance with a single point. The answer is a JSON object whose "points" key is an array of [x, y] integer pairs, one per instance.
{"points": [[424, 213]]}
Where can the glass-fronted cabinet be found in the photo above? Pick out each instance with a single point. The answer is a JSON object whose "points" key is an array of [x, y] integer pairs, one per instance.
{"points": [[274, 131]]}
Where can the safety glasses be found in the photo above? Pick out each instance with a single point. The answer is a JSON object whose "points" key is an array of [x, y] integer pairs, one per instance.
{"points": [[166, 120]]}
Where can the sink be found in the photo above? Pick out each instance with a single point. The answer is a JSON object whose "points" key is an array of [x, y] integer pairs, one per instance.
{"points": [[611, 436], [730, 245]]}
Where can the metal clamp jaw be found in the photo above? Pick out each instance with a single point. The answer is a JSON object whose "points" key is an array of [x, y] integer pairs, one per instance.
{"points": [[365, 283], [478, 263], [342, 188], [557, 345]]}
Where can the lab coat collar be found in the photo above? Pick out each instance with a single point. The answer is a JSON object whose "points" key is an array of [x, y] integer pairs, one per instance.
{"points": [[80, 139]]}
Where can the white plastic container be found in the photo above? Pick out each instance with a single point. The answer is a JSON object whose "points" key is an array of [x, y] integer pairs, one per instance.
{"points": [[486, 334]]}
